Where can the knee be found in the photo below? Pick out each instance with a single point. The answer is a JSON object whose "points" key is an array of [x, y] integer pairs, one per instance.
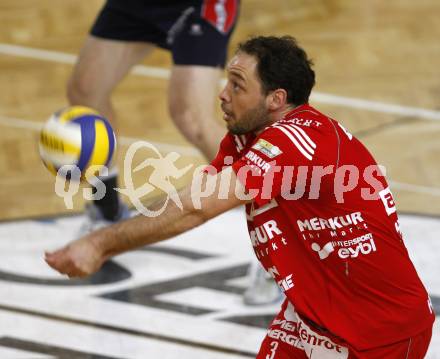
{"points": [[191, 126], [190, 123], [81, 90]]}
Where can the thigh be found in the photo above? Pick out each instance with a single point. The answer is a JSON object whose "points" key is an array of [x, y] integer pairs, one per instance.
{"points": [[103, 63], [194, 88]]}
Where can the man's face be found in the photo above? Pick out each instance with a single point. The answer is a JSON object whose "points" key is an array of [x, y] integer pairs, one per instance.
{"points": [[242, 100]]}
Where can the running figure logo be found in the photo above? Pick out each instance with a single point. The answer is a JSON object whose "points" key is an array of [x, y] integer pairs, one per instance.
{"points": [[164, 169]]}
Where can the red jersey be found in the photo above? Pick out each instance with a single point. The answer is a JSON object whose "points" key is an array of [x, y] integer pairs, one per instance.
{"points": [[324, 225]]}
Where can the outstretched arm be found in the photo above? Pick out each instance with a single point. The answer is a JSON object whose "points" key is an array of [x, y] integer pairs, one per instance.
{"points": [[86, 255]]}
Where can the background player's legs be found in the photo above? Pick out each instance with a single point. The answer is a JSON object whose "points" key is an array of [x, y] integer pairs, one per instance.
{"points": [[192, 96], [101, 65]]}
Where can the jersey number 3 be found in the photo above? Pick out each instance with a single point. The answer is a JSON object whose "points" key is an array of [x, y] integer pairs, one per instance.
{"points": [[274, 346]]}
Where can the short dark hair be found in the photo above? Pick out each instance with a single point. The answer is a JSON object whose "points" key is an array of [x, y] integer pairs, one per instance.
{"points": [[282, 64]]}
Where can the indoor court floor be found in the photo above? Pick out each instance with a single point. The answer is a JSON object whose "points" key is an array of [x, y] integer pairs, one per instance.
{"points": [[378, 73]]}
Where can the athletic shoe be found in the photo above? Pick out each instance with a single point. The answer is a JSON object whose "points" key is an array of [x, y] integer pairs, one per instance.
{"points": [[94, 219], [262, 289]]}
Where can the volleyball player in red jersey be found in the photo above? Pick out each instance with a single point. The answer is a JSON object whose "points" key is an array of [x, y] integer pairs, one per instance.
{"points": [[321, 218]]}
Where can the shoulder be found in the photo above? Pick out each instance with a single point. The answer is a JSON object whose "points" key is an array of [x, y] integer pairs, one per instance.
{"points": [[285, 136], [304, 134]]}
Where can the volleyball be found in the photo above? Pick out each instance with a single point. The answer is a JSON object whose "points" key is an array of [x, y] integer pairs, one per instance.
{"points": [[76, 137]]}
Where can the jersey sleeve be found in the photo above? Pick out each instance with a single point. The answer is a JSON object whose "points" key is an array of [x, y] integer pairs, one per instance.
{"points": [[271, 164]]}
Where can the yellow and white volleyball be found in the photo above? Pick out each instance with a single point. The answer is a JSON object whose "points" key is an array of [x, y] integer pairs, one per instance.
{"points": [[76, 137]]}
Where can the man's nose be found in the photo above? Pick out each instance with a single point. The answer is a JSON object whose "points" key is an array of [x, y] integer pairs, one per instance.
{"points": [[223, 95]]}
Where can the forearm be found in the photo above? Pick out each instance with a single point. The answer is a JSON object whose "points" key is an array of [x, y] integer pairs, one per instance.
{"points": [[142, 230], [86, 255]]}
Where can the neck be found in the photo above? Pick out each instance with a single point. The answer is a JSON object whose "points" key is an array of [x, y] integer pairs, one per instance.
{"points": [[285, 111], [277, 115]]}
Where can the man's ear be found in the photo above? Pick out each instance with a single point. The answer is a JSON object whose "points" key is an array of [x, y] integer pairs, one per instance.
{"points": [[276, 99]]}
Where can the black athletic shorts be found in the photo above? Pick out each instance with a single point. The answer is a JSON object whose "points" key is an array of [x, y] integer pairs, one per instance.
{"points": [[195, 31]]}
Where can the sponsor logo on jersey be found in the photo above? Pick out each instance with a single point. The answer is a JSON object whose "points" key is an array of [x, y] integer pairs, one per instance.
{"points": [[350, 248], [267, 148], [286, 283], [388, 201], [258, 161], [362, 248], [288, 332], [264, 233], [319, 345], [267, 238], [285, 337], [314, 344], [325, 251], [196, 30], [334, 223]]}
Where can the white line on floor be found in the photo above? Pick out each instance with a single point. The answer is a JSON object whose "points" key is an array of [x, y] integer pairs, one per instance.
{"points": [[408, 187]]}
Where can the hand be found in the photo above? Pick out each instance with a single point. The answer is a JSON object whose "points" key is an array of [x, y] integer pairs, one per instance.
{"points": [[78, 259]]}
